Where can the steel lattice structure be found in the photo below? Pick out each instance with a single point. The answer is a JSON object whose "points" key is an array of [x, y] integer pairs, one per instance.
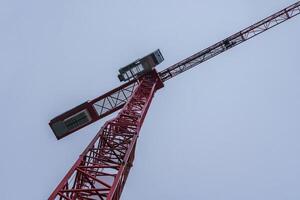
{"points": [[102, 169], [231, 41], [114, 100]]}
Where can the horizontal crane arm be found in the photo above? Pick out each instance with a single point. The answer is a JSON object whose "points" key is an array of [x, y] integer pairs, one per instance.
{"points": [[91, 111], [231, 41]]}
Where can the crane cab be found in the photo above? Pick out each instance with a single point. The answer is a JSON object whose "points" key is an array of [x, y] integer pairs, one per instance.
{"points": [[140, 66]]}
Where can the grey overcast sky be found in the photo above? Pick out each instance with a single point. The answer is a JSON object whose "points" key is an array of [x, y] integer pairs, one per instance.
{"points": [[226, 130]]}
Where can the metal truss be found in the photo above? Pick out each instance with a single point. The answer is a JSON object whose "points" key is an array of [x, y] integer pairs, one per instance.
{"points": [[231, 41], [91, 111], [102, 169], [113, 100]]}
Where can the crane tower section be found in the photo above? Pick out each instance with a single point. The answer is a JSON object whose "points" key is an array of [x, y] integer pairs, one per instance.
{"points": [[102, 169]]}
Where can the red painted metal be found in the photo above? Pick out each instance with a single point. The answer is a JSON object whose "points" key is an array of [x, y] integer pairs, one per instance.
{"points": [[101, 106], [231, 41], [102, 169]]}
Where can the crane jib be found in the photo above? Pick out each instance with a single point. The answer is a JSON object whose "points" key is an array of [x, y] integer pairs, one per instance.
{"points": [[231, 41]]}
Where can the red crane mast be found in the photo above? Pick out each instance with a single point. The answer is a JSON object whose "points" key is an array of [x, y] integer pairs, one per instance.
{"points": [[102, 169]]}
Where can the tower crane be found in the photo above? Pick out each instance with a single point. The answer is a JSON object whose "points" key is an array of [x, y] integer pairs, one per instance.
{"points": [[102, 169]]}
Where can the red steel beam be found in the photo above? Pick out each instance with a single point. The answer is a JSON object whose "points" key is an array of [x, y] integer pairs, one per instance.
{"points": [[231, 41], [102, 169]]}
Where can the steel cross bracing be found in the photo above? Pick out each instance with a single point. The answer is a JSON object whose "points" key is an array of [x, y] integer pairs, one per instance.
{"points": [[102, 169], [231, 41], [113, 100], [116, 99]]}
